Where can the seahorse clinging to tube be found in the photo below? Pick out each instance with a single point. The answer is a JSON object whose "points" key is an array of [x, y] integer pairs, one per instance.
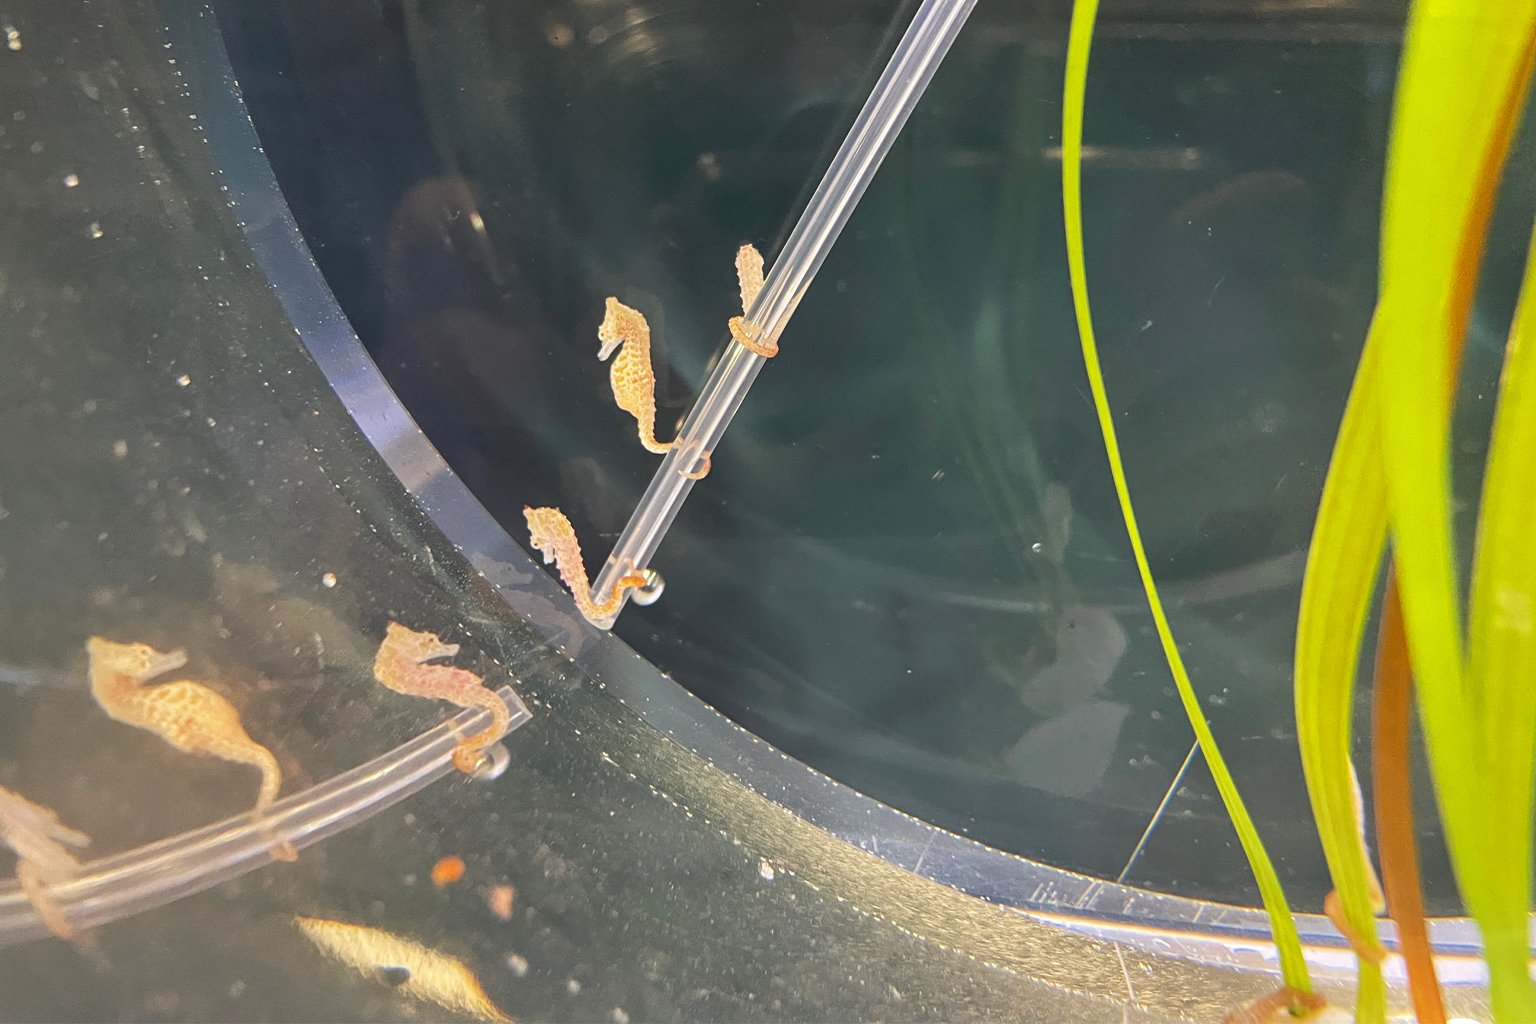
{"points": [[626, 335], [749, 278], [554, 537], [37, 836], [401, 665], [186, 714]]}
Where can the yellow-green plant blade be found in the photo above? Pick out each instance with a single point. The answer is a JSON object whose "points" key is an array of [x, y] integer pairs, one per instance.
{"points": [[1458, 58], [1464, 71], [1292, 964], [1502, 659], [1342, 565]]}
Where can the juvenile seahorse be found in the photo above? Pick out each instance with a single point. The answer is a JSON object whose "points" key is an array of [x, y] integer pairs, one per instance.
{"points": [[186, 714], [626, 332], [554, 537], [749, 278], [402, 666], [37, 836], [626, 335]]}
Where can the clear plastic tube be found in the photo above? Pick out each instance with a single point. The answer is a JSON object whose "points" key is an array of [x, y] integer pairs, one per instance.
{"points": [[911, 67], [151, 876]]}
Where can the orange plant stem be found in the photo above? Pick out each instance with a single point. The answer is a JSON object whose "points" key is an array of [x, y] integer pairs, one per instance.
{"points": [[1391, 713], [1392, 694]]}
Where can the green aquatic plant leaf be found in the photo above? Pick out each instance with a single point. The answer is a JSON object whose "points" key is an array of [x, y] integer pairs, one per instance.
{"points": [[1463, 79], [1342, 564], [1451, 134], [1502, 658], [1283, 927], [1458, 66]]}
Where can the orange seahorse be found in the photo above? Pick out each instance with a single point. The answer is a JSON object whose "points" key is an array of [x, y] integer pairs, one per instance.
{"points": [[186, 714], [626, 335], [554, 537], [625, 331], [401, 665], [37, 836], [749, 278]]}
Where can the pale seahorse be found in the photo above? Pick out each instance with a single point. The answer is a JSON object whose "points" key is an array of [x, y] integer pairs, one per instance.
{"points": [[401, 665], [554, 537], [186, 714], [626, 336], [37, 836], [749, 278]]}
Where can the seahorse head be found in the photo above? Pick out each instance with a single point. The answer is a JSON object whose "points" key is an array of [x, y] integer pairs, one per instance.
{"points": [[139, 662], [417, 645], [545, 528], [621, 323]]}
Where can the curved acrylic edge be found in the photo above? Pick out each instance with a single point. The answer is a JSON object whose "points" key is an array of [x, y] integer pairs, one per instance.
{"points": [[1163, 924], [156, 874]]}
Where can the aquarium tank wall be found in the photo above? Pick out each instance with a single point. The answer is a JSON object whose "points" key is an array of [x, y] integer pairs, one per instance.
{"points": [[675, 510]]}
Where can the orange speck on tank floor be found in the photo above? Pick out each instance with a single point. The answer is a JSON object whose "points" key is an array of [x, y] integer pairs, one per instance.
{"points": [[447, 871], [499, 898]]}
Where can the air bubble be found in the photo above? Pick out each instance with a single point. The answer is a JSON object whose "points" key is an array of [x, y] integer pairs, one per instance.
{"points": [[493, 762], [651, 591]]}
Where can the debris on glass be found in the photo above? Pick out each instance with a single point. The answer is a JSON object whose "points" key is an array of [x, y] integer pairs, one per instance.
{"points": [[499, 900], [447, 871], [1283, 1004]]}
